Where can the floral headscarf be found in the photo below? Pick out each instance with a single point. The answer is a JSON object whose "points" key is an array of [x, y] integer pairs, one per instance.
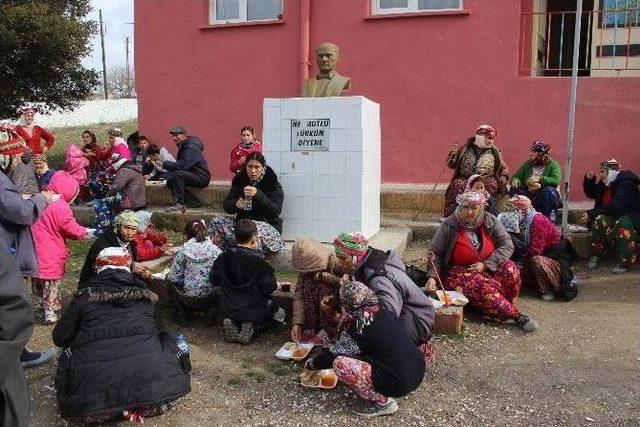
{"points": [[487, 130], [354, 244], [542, 149], [360, 304], [471, 198], [526, 212], [127, 219], [510, 220], [611, 164]]}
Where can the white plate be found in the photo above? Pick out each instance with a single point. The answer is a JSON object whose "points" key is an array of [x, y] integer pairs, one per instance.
{"points": [[287, 353], [322, 372]]}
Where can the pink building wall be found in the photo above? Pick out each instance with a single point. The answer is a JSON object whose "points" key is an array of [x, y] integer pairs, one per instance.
{"points": [[436, 78]]}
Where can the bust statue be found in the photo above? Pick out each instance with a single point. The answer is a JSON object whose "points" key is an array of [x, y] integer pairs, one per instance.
{"points": [[328, 82]]}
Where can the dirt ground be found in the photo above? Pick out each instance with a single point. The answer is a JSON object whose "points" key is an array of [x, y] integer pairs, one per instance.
{"points": [[579, 369]]}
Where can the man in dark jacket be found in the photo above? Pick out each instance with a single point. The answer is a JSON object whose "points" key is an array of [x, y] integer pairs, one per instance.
{"points": [[246, 283], [16, 322], [116, 357], [122, 236], [128, 180], [190, 170]]}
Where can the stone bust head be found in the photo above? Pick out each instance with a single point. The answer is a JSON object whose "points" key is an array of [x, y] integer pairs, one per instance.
{"points": [[328, 82]]}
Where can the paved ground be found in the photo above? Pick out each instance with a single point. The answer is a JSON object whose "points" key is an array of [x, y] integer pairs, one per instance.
{"points": [[580, 369]]}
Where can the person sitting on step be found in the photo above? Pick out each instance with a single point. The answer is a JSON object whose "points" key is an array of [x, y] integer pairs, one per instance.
{"points": [[246, 283]]}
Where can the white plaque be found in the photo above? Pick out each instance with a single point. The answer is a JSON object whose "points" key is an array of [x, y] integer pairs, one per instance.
{"points": [[310, 134]]}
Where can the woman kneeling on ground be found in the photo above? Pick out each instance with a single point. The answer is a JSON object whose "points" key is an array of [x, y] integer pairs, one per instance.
{"points": [[317, 283], [472, 250], [117, 363], [189, 275], [373, 354], [548, 258], [257, 195]]}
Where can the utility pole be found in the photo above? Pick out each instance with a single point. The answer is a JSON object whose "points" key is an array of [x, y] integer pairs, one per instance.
{"points": [[126, 67], [104, 61], [572, 116]]}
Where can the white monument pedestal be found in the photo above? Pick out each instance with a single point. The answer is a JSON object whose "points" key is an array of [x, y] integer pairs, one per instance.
{"points": [[326, 152]]}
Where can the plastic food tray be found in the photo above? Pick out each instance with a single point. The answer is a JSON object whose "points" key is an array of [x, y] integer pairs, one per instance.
{"points": [[286, 351]]}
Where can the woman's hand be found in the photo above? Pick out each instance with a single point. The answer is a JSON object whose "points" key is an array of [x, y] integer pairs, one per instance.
{"points": [[242, 161], [240, 203], [431, 285], [590, 175], [477, 267], [250, 191], [296, 333]]}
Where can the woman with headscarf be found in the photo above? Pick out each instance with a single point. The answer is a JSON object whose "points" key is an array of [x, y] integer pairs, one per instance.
{"points": [[616, 221], [472, 251], [255, 194], [478, 156], [373, 354], [116, 361], [538, 179], [548, 258]]}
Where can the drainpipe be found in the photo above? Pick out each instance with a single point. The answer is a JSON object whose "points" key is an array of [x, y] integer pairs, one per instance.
{"points": [[305, 13]]}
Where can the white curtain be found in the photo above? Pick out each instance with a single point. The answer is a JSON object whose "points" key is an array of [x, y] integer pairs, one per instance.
{"points": [[263, 9], [227, 9]]}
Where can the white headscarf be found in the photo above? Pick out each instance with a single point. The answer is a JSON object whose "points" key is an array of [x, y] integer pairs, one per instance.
{"points": [[611, 176]]}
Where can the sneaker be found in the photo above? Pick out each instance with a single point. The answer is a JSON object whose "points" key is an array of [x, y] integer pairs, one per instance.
{"points": [[526, 323], [280, 315], [231, 332], [177, 208], [372, 409], [548, 296], [593, 262], [246, 333], [31, 359], [50, 317], [621, 268]]}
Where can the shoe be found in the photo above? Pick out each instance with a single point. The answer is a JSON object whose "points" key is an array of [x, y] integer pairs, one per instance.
{"points": [[372, 409], [593, 262], [31, 359], [621, 268], [177, 208], [246, 333], [525, 323], [194, 204], [548, 296], [50, 317], [231, 332]]}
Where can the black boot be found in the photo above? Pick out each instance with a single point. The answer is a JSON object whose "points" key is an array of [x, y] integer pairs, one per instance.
{"points": [[180, 317]]}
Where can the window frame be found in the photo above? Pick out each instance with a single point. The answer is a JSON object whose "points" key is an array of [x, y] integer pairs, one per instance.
{"points": [[412, 7], [622, 26], [242, 16]]}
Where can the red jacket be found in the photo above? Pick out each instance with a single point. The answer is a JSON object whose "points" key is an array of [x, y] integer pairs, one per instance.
{"points": [[34, 141], [148, 245], [239, 152], [544, 234]]}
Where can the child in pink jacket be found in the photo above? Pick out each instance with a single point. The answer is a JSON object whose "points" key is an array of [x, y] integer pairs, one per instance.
{"points": [[53, 227], [76, 164]]}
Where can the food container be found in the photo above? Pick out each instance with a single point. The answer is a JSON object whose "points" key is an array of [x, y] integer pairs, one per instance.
{"points": [[448, 319], [454, 298], [324, 378], [297, 352]]}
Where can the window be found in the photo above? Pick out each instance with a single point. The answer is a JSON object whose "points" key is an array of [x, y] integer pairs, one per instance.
{"points": [[228, 11], [620, 13], [413, 6]]}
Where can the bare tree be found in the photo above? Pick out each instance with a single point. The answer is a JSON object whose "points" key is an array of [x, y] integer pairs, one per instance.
{"points": [[121, 83]]}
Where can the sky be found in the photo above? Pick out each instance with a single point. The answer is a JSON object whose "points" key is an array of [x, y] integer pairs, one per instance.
{"points": [[116, 16]]}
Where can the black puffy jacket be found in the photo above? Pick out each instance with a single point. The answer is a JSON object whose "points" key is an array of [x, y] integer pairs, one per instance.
{"points": [[625, 199], [266, 204], [115, 358], [190, 158]]}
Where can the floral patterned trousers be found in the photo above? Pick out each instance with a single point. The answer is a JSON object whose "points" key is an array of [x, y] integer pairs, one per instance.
{"points": [[48, 291], [357, 375], [492, 293], [619, 234]]}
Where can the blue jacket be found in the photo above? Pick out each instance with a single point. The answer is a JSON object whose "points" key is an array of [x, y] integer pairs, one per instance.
{"points": [[190, 158], [16, 217]]}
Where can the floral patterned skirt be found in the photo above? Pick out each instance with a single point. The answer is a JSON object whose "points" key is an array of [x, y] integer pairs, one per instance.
{"points": [[490, 293], [543, 273], [357, 375], [221, 231], [618, 234]]}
